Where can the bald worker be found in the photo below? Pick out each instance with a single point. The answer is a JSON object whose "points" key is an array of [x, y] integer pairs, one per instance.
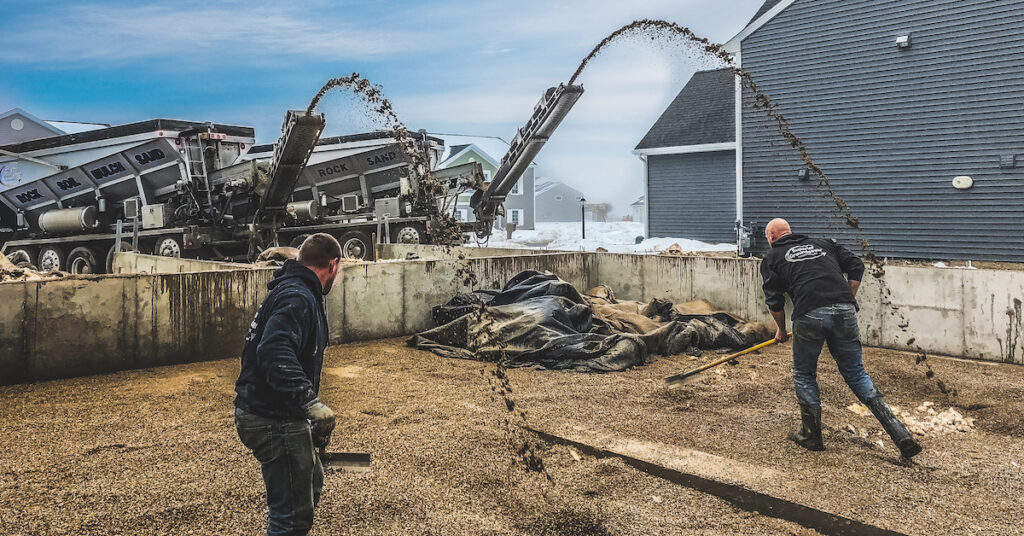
{"points": [[814, 272]]}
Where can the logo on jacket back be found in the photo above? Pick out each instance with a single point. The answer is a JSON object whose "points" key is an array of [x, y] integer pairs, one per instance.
{"points": [[805, 252]]}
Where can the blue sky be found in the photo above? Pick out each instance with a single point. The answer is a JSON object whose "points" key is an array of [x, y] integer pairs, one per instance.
{"points": [[448, 66]]}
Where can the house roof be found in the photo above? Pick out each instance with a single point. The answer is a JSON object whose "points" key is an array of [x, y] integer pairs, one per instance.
{"points": [[548, 185], [702, 113], [638, 202], [459, 150], [45, 124], [765, 7], [768, 11]]}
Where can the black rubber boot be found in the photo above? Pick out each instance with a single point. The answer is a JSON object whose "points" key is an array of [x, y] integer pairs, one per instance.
{"points": [[809, 436], [894, 427]]}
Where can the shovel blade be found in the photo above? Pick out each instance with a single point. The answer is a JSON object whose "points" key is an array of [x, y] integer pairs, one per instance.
{"points": [[349, 461]]}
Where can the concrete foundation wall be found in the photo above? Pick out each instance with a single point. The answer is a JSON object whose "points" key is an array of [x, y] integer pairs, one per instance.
{"points": [[968, 313], [389, 299], [138, 263], [91, 324]]}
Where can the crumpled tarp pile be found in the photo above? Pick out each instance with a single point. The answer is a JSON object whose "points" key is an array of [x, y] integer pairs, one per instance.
{"points": [[540, 320]]}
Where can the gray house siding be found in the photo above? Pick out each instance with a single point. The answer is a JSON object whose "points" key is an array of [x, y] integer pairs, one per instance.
{"points": [[558, 203], [892, 127], [692, 195], [522, 201]]}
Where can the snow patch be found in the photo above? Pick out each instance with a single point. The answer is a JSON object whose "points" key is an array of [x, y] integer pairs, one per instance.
{"points": [[615, 237]]}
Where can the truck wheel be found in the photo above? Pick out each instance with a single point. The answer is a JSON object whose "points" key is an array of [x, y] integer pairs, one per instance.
{"points": [[408, 233], [125, 246], [298, 240], [51, 259], [22, 257], [356, 245], [168, 246], [83, 260]]}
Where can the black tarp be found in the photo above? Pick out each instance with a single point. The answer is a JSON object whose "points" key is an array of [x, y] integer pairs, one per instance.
{"points": [[539, 320]]}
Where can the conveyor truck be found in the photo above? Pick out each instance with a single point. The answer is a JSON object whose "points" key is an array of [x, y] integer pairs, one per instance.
{"points": [[179, 188]]}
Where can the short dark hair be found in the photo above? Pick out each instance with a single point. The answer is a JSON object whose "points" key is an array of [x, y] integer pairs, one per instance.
{"points": [[319, 250]]}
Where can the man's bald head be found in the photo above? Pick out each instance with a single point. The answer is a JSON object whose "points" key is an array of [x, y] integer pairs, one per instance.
{"points": [[776, 229]]}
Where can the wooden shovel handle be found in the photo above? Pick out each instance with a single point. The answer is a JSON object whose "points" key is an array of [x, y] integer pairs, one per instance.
{"points": [[715, 363]]}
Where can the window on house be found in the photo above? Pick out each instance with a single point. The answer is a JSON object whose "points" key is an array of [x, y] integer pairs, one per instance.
{"points": [[462, 214], [487, 175], [515, 216], [515, 189], [558, 198]]}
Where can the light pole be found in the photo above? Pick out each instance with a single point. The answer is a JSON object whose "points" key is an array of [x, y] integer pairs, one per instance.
{"points": [[583, 216]]}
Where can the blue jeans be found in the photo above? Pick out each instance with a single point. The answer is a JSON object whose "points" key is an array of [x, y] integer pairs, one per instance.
{"points": [[836, 325], [292, 471]]}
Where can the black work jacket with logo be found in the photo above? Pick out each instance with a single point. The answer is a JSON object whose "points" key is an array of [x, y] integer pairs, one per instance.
{"points": [[811, 271], [284, 351]]}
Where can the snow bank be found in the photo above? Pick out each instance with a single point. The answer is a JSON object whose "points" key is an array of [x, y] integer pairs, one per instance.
{"points": [[616, 237]]}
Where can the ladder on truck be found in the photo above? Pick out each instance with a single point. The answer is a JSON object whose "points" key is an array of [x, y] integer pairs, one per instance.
{"points": [[195, 164]]}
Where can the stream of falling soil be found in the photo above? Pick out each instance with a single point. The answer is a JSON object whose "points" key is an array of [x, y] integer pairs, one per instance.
{"points": [[445, 229], [669, 31]]}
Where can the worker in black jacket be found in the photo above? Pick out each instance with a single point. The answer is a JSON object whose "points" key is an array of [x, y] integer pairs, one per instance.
{"points": [[811, 271], [278, 413]]}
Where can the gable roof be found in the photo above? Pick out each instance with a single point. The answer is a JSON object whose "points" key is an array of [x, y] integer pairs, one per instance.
{"points": [[765, 7], [768, 11], [18, 111], [459, 150], [550, 185], [702, 113]]}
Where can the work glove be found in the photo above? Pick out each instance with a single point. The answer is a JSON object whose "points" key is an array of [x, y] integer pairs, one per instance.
{"points": [[321, 421]]}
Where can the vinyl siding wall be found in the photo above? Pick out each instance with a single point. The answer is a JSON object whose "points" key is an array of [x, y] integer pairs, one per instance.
{"points": [[693, 195], [892, 127]]}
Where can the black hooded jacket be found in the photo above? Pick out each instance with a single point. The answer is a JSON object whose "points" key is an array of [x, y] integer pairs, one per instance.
{"points": [[284, 351], [811, 271]]}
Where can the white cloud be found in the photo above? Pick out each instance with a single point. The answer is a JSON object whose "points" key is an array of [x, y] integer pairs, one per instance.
{"points": [[187, 36]]}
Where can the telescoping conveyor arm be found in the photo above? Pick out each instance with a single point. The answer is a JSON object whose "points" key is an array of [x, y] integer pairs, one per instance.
{"points": [[547, 115], [299, 135]]}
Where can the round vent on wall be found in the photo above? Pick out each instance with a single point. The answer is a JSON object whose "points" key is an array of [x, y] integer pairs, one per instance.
{"points": [[17, 124]]}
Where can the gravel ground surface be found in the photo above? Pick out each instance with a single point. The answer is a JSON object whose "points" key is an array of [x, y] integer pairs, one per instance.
{"points": [[154, 451]]}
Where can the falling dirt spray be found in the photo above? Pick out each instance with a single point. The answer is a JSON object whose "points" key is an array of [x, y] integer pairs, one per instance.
{"points": [[445, 229], [667, 31]]}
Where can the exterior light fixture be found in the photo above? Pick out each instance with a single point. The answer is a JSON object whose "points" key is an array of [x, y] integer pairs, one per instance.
{"points": [[803, 174], [962, 182], [903, 41], [1007, 161], [583, 216]]}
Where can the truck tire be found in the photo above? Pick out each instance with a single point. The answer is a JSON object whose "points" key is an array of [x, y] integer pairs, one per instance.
{"points": [[168, 246], [298, 240], [22, 257], [408, 233], [51, 259], [356, 245], [83, 260], [125, 246]]}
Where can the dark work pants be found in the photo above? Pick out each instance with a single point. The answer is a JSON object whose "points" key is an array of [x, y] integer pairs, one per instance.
{"points": [[292, 471], [835, 325]]}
